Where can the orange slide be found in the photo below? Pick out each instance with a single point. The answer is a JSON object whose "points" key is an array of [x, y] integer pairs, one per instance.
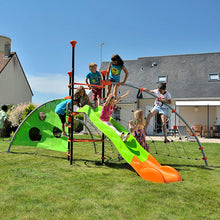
{"points": [[151, 170]]}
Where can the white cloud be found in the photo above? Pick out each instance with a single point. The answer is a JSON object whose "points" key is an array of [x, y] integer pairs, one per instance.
{"points": [[51, 83]]}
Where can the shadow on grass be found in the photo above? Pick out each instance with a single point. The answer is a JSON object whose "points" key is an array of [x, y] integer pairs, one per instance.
{"points": [[113, 165], [34, 153], [177, 166], [87, 162], [116, 165]]}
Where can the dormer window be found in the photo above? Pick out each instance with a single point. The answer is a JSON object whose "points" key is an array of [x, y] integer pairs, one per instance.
{"points": [[214, 77], [153, 64], [162, 79]]}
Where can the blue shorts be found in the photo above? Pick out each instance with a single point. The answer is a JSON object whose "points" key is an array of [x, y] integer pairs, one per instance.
{"points": [[114, 80], [163, 111]]}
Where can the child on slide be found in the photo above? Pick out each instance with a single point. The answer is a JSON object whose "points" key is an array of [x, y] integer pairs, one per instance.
{"points": [[107, 111]]}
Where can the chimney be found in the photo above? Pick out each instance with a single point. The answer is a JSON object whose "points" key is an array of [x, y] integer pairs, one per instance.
{"points": [[7, 50], [5, 46]]}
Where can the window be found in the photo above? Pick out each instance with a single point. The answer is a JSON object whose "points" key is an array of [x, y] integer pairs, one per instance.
{"points": [[153, 64], [162, 79], [213, 76], [7, 50]]}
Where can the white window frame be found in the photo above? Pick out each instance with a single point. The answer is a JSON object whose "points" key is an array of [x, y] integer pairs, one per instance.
{"points": [[159, 81], [214, 79]]}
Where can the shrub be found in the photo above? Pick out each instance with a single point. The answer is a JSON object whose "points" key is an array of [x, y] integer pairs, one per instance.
{"points": [[77, 125], [19, 112], [28, 110], [16, 114]]}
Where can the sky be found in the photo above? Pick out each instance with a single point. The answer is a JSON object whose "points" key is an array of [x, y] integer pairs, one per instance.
{"points": [[41, 32]]}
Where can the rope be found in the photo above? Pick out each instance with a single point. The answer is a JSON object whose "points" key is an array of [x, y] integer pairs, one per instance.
{"points": [[153, 147]]}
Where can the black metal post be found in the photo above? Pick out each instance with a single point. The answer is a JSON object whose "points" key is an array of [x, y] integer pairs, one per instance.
{"points": [[103, 136], [69, 129], [73, 43], [208, 134], [175, 127]]}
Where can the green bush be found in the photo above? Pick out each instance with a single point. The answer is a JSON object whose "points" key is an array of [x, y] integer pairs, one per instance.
{"points": [[19, 112], [77, 125], [28, 110]]}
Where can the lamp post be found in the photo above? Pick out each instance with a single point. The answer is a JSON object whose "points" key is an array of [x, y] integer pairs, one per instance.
{"points": [[100, 45]]}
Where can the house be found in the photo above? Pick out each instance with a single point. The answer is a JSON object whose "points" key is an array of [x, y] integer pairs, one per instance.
{"points": [[14, 86], [192, 79]]}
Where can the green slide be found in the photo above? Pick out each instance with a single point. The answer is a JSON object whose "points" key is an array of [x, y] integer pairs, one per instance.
{"points": [[128, 149], [143, 162]]}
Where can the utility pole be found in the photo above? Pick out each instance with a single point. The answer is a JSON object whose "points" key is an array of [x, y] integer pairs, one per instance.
{"points": [[100, 45]]}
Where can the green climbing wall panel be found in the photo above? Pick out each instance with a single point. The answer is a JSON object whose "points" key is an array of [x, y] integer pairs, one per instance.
{"points": [[45, 121]]}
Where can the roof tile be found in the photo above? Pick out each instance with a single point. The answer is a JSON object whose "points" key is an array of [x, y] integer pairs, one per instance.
{"points": [[4, 61]]}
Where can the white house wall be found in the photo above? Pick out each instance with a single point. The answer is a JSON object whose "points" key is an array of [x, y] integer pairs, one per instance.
{"points": [[126, 113], [197, 115], [14, 88]]}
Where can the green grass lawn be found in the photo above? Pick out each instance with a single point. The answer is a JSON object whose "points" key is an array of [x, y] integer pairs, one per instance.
{"points": [[41, 184]]}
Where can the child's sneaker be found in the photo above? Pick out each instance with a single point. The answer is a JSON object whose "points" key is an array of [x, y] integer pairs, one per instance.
{"points": [[166, 141], [122, 134], [125, 138], [64, 134]]}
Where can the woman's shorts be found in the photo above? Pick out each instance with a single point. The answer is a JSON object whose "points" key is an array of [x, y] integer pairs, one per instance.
{"points": [[163, 111]]}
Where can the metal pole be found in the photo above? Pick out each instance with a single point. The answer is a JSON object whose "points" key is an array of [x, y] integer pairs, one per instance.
{"points": [[69, 129], [100, 45], [208, 120], [175, 125], [103, 136], [73, 43]]}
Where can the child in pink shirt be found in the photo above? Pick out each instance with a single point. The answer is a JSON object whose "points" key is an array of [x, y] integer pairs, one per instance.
{"points": [[107, 111]]}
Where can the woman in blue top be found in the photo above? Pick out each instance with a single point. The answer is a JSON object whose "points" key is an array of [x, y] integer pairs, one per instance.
{"points": [[114, 72]]}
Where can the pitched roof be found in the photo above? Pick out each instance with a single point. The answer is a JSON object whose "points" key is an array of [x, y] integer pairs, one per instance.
{"points": [[4, 60], [187, 75]]}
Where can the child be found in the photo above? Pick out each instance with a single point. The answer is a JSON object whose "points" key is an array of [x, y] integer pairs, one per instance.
{"points": [[107, 111], [94, 78], [3, 118], [60, 110], [81, 98], [163, 97], [138, 128], [114, 68]]}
